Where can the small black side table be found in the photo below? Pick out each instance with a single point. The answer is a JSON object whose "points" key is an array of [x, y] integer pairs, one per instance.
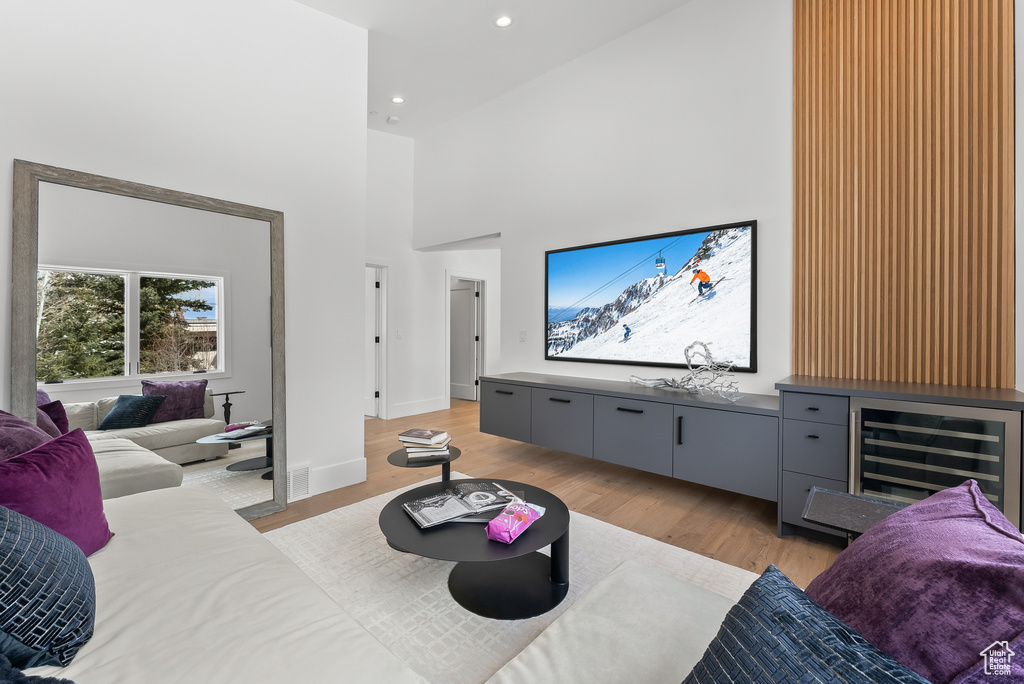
{"points": [[400, 458], [227, 403]]}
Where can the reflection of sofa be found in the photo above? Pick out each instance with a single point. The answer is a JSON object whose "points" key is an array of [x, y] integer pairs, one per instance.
{"points": [[187, 591], [126, 468], [174, 440]]}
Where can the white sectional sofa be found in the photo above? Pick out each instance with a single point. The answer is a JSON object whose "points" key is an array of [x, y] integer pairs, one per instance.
{"points": [[174, 440], [187, 591]]}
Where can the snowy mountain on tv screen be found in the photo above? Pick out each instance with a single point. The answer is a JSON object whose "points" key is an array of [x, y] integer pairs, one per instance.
{"points": [[666, 315]]}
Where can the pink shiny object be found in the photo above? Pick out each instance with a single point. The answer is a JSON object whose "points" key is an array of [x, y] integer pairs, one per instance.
{"points": [[511, 522]]}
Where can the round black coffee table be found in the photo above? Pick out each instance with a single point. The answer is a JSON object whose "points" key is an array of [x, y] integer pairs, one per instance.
{"points": [[400, 458], [492, 579]]}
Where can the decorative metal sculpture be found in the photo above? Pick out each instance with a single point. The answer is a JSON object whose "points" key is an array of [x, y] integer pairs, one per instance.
{"points": [[710, 377]]}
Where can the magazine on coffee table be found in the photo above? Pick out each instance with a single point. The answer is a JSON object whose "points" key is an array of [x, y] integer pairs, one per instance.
{"points": [[465, 499]]}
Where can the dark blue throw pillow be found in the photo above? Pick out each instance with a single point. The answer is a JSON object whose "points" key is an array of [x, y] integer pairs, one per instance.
{"points": [[777, 634], [132, 411], [47, 593]]}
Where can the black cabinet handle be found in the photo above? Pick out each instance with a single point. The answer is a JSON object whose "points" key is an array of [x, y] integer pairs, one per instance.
{"points": [[813, 437], [679, 431], [560, 401], [813, 408], [503, 392], [629, 410]]}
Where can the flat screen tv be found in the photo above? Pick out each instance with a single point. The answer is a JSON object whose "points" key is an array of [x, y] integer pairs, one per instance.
{"points": [[643, 301]]}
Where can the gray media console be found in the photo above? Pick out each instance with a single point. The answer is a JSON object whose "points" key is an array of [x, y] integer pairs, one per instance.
{"points": [[894, 441], [707, 440]]}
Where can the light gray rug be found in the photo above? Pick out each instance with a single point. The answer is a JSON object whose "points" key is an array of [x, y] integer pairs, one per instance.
{"points": [[403, 599], [237, 488]]}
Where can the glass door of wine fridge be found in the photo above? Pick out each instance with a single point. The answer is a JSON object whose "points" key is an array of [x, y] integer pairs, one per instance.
{"points": [[904, 451]]}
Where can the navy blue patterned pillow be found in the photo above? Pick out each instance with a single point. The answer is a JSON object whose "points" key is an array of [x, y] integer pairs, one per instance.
{"points": [[131, 411], [777, 634], [47, 593]]}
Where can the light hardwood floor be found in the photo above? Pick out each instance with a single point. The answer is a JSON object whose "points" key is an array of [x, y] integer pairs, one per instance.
{"points": [[732, 528]]}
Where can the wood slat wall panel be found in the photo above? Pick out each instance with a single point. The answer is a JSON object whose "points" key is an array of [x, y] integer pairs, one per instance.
{"points": [[903, 190]]}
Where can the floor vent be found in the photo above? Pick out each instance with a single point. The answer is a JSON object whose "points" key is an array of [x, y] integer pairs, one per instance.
{"points": [[298, 482]]}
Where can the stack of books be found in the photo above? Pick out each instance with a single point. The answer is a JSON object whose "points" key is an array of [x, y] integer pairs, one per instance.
{"points": [[423, 444]]}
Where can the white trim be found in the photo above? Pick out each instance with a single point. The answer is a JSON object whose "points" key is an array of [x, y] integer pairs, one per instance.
{"points": [[337, 475], [414, 408], [383, 406]]}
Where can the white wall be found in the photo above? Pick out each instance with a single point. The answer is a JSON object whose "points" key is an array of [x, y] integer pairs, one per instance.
{"points": [[261, 102], [416, 285], [683, 123]]}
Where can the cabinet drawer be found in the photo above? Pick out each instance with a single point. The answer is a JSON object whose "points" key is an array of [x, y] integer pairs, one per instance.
{"points": [[815, 449], [819, 408], [563, 421], [795, 489], [637, 434], [505, 410]]}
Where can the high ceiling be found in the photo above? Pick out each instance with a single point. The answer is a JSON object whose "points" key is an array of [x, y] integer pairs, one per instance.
{"points": [[446, 57]]}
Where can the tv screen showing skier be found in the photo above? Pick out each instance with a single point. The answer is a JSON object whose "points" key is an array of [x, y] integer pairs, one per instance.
{"points": [[642, 301]]}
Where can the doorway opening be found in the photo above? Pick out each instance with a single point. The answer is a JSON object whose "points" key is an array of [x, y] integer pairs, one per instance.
{"points": [[464, 346]]}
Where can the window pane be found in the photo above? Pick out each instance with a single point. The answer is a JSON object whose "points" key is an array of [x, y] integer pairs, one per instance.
{"points": [[177, 325], [80, 325]]}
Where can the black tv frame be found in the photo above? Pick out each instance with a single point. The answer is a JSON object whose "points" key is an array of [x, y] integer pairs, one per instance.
{"points": [[752, 368]]}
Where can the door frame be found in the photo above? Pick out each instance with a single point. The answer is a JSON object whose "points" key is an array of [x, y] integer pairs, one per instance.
{"points": [[481, 310], [382, 347]]}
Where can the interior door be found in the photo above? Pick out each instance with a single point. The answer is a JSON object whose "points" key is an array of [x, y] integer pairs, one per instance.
{"points": [[371, 348], [464, 340]]}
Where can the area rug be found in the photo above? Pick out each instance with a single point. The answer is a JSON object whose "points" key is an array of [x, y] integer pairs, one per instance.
{"points": [[236, 488], [403, 599]]}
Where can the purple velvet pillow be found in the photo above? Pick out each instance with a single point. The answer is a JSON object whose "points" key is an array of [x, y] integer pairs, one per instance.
{"points": [[56, 413], [18, 436], [46, 424], [58, 485], [934, 585], [42, 397], [184, 399]]}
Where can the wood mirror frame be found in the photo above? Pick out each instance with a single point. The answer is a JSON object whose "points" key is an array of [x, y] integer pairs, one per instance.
{"points": [[25, 255]]}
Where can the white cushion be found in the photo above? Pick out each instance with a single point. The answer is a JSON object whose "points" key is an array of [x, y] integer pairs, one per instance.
{"points": [[187, 591], [126, 468], [638, 624]]}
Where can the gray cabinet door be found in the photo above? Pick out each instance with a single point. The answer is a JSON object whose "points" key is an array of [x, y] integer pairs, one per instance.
{"points": [[563, 421], [738, 452], [505, 410], [633, 433]]}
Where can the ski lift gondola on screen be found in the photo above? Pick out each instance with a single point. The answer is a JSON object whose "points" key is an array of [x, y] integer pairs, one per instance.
{"points": [[659, 263]]}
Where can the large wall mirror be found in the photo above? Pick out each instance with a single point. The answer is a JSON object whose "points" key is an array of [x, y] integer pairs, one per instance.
{"points": [[68, 223]]}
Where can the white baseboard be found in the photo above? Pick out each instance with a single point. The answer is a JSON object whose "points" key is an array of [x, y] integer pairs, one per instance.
{"points": [[414, 408], [337, 475]]}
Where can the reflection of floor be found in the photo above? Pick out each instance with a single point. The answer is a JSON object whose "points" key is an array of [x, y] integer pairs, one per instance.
{"points": [[238, 489]]}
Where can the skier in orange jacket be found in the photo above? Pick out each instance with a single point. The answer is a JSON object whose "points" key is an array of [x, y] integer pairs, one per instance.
{"points": [[705, 280]]}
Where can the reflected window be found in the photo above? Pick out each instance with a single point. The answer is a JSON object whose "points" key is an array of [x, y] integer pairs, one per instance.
{"points": [[93, 324]]}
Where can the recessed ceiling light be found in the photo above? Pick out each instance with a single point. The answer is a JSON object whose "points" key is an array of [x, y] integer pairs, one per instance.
{"points": [[503, 22], [392, 120], [398, 100]]}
